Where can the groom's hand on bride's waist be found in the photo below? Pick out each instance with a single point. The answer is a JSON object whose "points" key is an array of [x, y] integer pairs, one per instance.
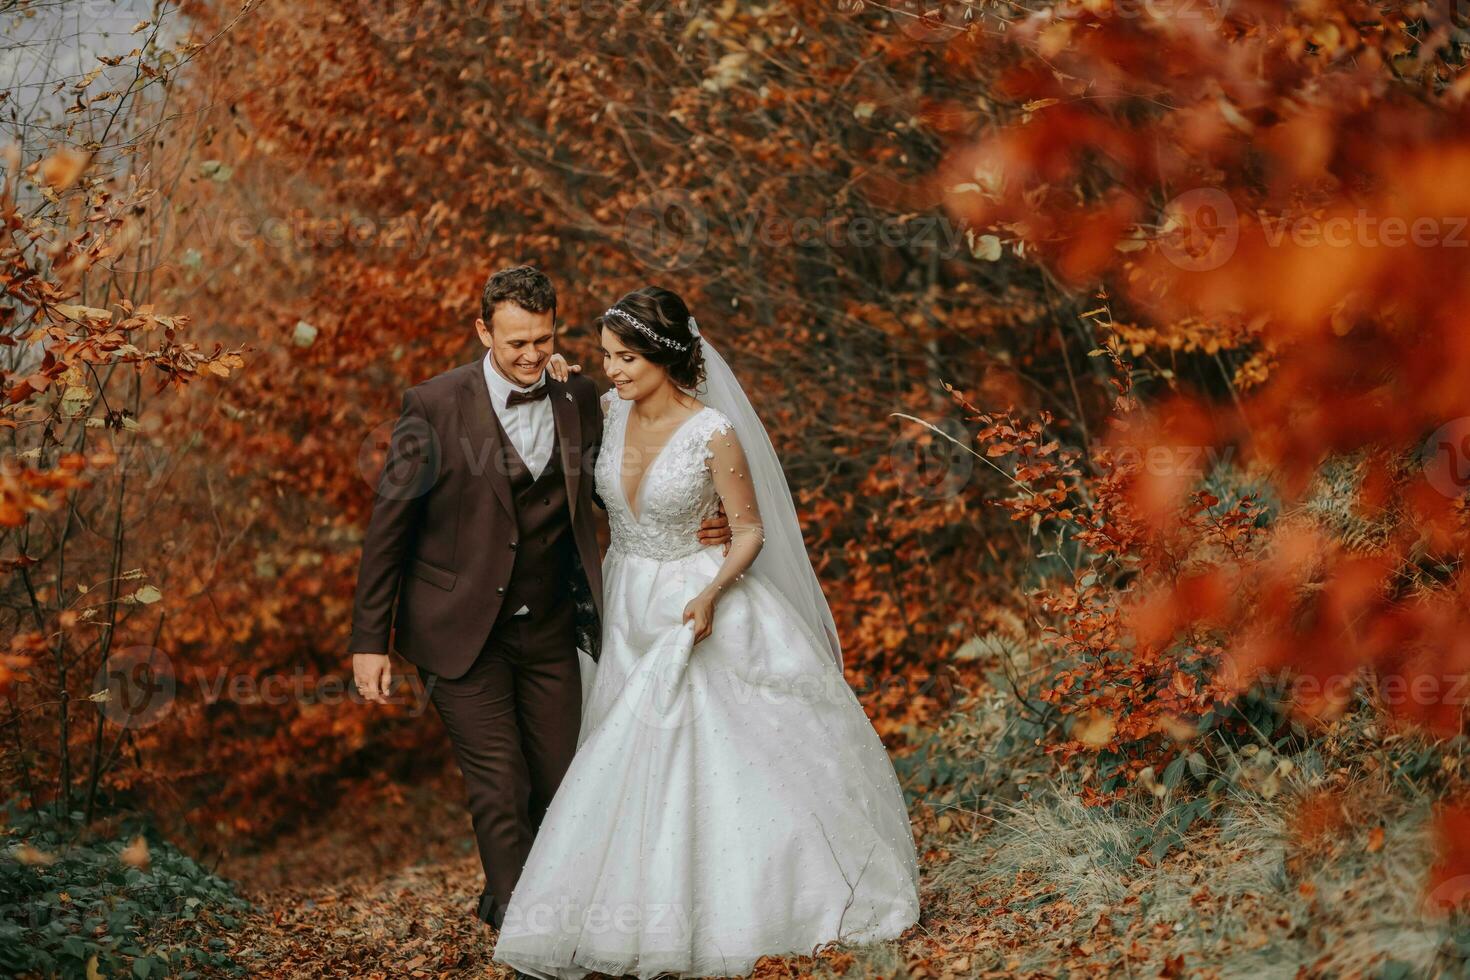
{"points": [[371, 673], [716, 529]]}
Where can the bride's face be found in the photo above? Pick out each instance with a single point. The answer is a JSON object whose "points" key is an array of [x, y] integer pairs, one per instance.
{"points": [[634, 375]]}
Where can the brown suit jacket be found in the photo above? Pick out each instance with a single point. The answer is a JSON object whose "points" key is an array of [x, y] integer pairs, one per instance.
{"points": [[439, 540]]}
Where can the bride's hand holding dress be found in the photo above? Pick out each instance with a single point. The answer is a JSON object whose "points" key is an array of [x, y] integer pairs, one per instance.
{"points": [[731, 478]]}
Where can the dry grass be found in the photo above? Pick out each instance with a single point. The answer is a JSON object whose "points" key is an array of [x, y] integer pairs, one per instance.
{"points": [[1315, 867]]}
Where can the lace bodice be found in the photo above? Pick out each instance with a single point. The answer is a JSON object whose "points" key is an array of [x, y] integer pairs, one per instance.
{"points": [[675, 493]]}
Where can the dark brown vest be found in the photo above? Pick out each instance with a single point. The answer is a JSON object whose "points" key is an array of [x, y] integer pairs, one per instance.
{"points": [[544, 545]]}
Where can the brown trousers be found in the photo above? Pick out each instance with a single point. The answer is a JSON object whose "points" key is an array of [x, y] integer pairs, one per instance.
{"points": [[513, 721]]}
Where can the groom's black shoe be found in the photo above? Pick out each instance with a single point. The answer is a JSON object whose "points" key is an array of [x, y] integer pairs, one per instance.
{"points": [[489, 910]]}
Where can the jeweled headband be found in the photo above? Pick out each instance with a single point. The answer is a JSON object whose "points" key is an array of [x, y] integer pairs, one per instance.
{"points": [[648, 331]]}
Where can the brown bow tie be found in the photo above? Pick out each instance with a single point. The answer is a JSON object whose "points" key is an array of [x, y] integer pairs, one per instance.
{"points": [[522, 397]]}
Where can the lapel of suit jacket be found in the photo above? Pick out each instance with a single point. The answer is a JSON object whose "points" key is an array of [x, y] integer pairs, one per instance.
{"points": [[486, 451], [568, 438]]}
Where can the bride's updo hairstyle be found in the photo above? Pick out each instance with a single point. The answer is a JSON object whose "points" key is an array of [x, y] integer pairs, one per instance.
{"points": [[654, 323]]}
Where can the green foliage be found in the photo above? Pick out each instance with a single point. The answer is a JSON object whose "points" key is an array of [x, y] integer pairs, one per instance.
{"points": [[1334, 502], [1168, 830], [66, 903], [990, 750]]}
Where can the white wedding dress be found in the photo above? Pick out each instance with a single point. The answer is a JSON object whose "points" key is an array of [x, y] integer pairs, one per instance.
{"points": [[728, 800]]}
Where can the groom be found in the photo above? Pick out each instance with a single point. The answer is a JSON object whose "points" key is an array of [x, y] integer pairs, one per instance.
{"points": [[484, 538]]}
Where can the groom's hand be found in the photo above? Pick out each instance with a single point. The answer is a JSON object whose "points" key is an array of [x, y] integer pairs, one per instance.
{"points": [[372, 674], [716, 529]]}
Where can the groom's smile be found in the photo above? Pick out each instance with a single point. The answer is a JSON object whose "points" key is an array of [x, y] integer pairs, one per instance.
{"points": [[520, 342]]}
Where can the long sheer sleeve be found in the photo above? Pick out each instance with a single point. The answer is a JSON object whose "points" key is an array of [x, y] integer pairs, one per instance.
{"points": [[731, 475], [605, 400]]}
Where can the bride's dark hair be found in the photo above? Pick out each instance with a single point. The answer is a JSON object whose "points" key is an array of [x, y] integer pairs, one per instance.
{"points": [[663, 312]]}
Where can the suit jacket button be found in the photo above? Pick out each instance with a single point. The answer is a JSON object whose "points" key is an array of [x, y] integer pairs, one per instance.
{"points": [[500, 590], [512, 546]]}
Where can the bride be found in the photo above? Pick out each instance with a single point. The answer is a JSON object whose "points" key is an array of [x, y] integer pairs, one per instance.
{"points": [[729, 798]]}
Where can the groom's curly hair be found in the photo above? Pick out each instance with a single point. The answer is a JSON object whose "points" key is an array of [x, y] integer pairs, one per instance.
{"points": [[525, 286], [666, 314]]}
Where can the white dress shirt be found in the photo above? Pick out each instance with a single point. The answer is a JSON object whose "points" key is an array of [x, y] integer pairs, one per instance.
{"points": [[530, 425]]}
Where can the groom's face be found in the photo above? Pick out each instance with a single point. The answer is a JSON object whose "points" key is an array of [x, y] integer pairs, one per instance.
{"points": [[520, 342]]}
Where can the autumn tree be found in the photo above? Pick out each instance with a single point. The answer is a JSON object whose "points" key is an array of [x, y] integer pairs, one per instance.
{"points": [[91, 374]]}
